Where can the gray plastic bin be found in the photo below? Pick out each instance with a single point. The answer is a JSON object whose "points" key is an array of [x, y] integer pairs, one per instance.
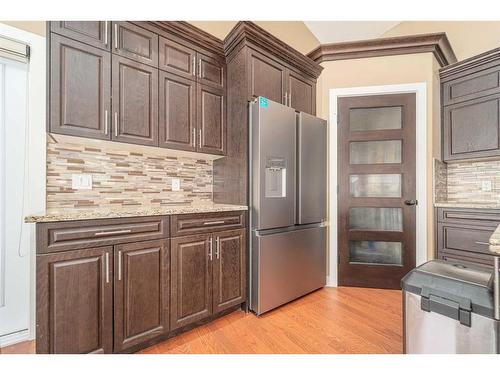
{"points": [[448, 308]]}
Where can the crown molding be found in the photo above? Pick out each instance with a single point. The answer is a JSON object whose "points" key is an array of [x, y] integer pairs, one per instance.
{"points": [[484, 60], [436, 43], [194, 35], [248, 33]]}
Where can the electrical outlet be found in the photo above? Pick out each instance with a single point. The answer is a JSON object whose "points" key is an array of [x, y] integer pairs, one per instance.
{"points": [[81, 181], [176, 184], [486, 185]]}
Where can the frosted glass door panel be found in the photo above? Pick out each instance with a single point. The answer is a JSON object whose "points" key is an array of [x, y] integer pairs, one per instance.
{"points": [[376, 252], [375, 152], [375, 185], [376, 218], [377, 118]]}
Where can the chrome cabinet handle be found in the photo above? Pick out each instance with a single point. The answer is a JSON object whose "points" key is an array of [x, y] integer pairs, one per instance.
{"points": [[116, 36], [214, 222], [107, 268], [210, 252], [106, 33], [290, 99], [199, 68], [199, 138], [483, 243], [286, 98], [119, 265], [194, 66], [106, 125], [111, 232], [217, 247], [194, 137], [496, 287], [116, 124]]}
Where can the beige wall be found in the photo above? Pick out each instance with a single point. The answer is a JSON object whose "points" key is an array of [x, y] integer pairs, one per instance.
{"points": [[386, 71], [36, 27], [294, 33], [468, 38]]}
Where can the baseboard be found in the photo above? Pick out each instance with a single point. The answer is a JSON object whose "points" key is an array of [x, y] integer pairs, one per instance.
{"points": [[14, 338]]}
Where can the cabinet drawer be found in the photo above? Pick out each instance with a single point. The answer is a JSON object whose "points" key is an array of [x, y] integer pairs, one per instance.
{"points": [[490, 218], [467, 258], [207, 222], [71, 235], [472, 86], [464, 238]]}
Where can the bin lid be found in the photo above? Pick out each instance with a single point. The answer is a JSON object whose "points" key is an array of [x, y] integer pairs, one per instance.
{"points": [[454, 281]]}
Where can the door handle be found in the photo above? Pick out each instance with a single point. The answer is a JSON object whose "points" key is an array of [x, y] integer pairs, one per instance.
{"points": [[411, 202]]}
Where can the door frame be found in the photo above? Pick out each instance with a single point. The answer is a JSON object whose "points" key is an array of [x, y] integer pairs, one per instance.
{"points": [[35, 163], [420, 91]]}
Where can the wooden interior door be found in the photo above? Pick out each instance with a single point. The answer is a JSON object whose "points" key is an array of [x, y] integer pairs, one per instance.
{"points": [[376, 189], [191, 280], [80, 89], [135, 102], [75, 302], [177, 112], [229, 269], [141, 290]]}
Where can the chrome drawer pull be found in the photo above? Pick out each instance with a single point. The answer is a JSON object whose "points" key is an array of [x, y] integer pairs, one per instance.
{"points": [[483, 243], [110, 233], [214, 222]]}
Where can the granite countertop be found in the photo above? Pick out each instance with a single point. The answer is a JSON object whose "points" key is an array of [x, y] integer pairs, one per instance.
{"points": [[495, 241], [135, 211], [490, 205]]}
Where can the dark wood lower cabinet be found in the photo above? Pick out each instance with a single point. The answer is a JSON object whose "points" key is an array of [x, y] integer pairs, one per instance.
{"points": [[191, 280], [229, 270], [141, 291], [75, 302]]}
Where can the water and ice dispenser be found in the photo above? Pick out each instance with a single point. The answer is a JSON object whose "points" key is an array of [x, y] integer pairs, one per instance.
{"points": [[275, 178]]}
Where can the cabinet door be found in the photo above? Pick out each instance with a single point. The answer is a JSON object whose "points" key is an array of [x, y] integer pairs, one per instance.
{"points": [[229, 269], [135, 43], [95, 33], [177, 112], [211, 119], [80, 84], [301, 92], [472, 129], [135, 102], [211, 71], [75, 302], [177, 58], [191, 280], [267, 77], [141, 290]]}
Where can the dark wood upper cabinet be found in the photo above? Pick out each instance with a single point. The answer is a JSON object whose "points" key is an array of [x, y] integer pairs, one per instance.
{"points": [[191, 280], [229, 269], [470, 112], [267, 77], [80, 85], [135, 102], [301, 92], [94, 33], [75, 302], [211, 71], [141, 292], [211, 119], [177, 119], [136, 43], [177, 58], [471, 129]]}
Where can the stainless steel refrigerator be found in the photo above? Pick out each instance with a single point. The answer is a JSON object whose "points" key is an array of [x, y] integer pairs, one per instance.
{"points": [[288, 202]]}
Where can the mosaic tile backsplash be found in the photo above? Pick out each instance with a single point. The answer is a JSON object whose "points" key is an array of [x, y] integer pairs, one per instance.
{"points": [[461, 182], [123, 177]]}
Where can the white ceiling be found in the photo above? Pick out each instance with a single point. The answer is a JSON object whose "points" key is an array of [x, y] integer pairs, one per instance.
{"points": [[345, 31]]}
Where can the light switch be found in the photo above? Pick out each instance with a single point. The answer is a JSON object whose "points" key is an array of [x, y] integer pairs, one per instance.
{"points": [[486, 185], [81, 181], [176, 184]]}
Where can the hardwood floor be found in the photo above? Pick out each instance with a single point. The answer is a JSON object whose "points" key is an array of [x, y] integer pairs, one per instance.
{"points": [[331, 320]]}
